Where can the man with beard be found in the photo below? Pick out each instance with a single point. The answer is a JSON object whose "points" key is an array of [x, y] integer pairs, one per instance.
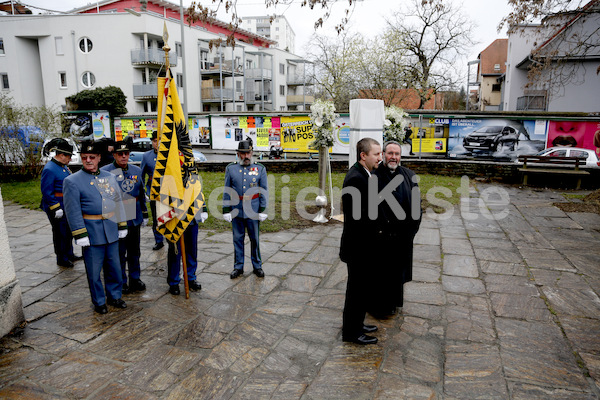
{"points": [[358, 241], [244, 201], [399, 217]]}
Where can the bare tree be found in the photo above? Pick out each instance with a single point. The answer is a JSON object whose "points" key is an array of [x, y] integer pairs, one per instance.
{"points": [[566, 44], [198, 12], [432, 35], [334, 67]]}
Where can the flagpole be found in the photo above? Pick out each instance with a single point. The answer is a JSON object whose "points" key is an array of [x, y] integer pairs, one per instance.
{"points": [[186, 284]]}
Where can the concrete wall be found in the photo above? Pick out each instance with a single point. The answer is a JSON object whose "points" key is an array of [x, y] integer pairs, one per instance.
{"points": [[11, 307]]}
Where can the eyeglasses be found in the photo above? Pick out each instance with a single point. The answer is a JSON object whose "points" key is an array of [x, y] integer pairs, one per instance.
{"points": [[90, 157]]}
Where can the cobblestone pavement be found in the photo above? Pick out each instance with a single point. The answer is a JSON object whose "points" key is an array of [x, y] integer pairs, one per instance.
{"points": [[505, 307]]}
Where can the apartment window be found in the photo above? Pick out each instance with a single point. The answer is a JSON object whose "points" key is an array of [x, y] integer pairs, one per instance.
{"points": [[4, 78], [85, 45], [203, 59], [282, 90], [58, 45], [1, 46], [281, 108], [178, 49], [179, 78], [88, 79], [238, 86], [496, 87], [277, 28], [238, 107], [276, 36], [282, 69], [248, 64], [62, 79]]}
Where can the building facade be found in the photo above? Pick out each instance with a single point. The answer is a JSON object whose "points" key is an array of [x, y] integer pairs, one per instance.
{"points": [[46, 58], [277, 29], [490, 73], [553, 66]]}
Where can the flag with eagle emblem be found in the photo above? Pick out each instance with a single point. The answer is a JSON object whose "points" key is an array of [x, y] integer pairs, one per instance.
{"points": [[176, 186]]}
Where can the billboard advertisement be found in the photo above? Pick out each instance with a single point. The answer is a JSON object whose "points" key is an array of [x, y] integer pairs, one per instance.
{"points": [[87, 124], [495, 137]]}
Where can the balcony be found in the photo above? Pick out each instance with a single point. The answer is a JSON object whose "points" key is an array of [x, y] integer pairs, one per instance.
{"points": [[259, 74], [155, 57], [298, 99], [256, 98], [214, 95], [531, 103], [298, 79], [216, 68], [145, 91]]}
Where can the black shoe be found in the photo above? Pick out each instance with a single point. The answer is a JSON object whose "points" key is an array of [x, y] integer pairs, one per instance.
{"points": [[195, 286], [126, 289], [259, 272], [158, 246], [66, 264], [101, 309], [369, 328], [75, 258], [136, 285], [174, 290], [118, 303], [362, 339], [235, 273]]}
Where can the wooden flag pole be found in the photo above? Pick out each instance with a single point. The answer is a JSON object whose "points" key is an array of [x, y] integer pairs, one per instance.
{"points": [[184, 264]]}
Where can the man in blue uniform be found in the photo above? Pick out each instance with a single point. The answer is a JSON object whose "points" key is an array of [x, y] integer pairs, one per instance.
{"points": [[129, 178], [147, 166], [53, 175], [92, 204], [244, 201]]}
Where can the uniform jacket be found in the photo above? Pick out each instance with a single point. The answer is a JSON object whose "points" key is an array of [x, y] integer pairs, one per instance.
{"points": [[132, 186], [95, 195], [147, 167], [250, 184], [52, 179], [358, 233]]}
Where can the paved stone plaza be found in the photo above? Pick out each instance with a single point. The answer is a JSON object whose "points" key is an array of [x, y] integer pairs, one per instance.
{"points": [[504, 308]]}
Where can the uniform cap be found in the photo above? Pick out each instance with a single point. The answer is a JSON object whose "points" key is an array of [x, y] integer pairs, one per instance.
{"points": [[244, 146], [123, 145], [61, 146], [91, 147]]}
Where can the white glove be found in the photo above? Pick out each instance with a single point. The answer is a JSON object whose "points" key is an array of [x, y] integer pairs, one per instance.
{"points": [[227, 217], [83, 242], [262, 217], [203, 217], [145, 222], [122, 233], [59, 213]]}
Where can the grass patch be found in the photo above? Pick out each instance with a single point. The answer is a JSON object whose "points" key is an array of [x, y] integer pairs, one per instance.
{"points": [[573, 196], [290, 206]]}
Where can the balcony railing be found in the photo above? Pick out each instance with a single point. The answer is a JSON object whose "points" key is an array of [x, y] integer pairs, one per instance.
{"points": [[299, 99], [215, 94], [215, 67], [259, 73], [299, 79], [257, 97], [533, 103], [145, 91], [152, 56]]}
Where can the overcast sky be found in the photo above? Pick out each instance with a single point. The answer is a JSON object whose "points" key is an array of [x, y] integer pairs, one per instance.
{"points": [[368, 16]]}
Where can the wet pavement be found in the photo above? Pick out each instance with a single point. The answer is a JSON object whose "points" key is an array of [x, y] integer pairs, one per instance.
{"points": [[504, 304]]}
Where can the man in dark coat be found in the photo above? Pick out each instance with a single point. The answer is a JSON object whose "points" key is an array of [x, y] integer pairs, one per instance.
{"points": [[399, 217], [357, 243]]}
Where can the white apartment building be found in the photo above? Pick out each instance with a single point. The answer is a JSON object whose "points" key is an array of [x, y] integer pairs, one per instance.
{"points": [[46, 58], [278, 30]]}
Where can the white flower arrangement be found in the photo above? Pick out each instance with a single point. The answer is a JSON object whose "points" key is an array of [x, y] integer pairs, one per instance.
{"points": [[322, 116], [394, 124]]}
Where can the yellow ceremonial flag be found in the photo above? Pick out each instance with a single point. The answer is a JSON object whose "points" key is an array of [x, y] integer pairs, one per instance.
{"points": [[176, 186]]}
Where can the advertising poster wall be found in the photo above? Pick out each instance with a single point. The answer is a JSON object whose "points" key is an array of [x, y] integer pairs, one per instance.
{"points": [[227, 132], [572, 134], [496, 138], [198, 129]]}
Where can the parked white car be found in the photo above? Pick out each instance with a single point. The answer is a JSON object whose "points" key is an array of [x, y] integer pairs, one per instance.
{"points": [[591, 158]]}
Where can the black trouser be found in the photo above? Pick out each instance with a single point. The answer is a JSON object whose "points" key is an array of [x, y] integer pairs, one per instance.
{"points": [[357, 297], [61, 238], [129, 253]]}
